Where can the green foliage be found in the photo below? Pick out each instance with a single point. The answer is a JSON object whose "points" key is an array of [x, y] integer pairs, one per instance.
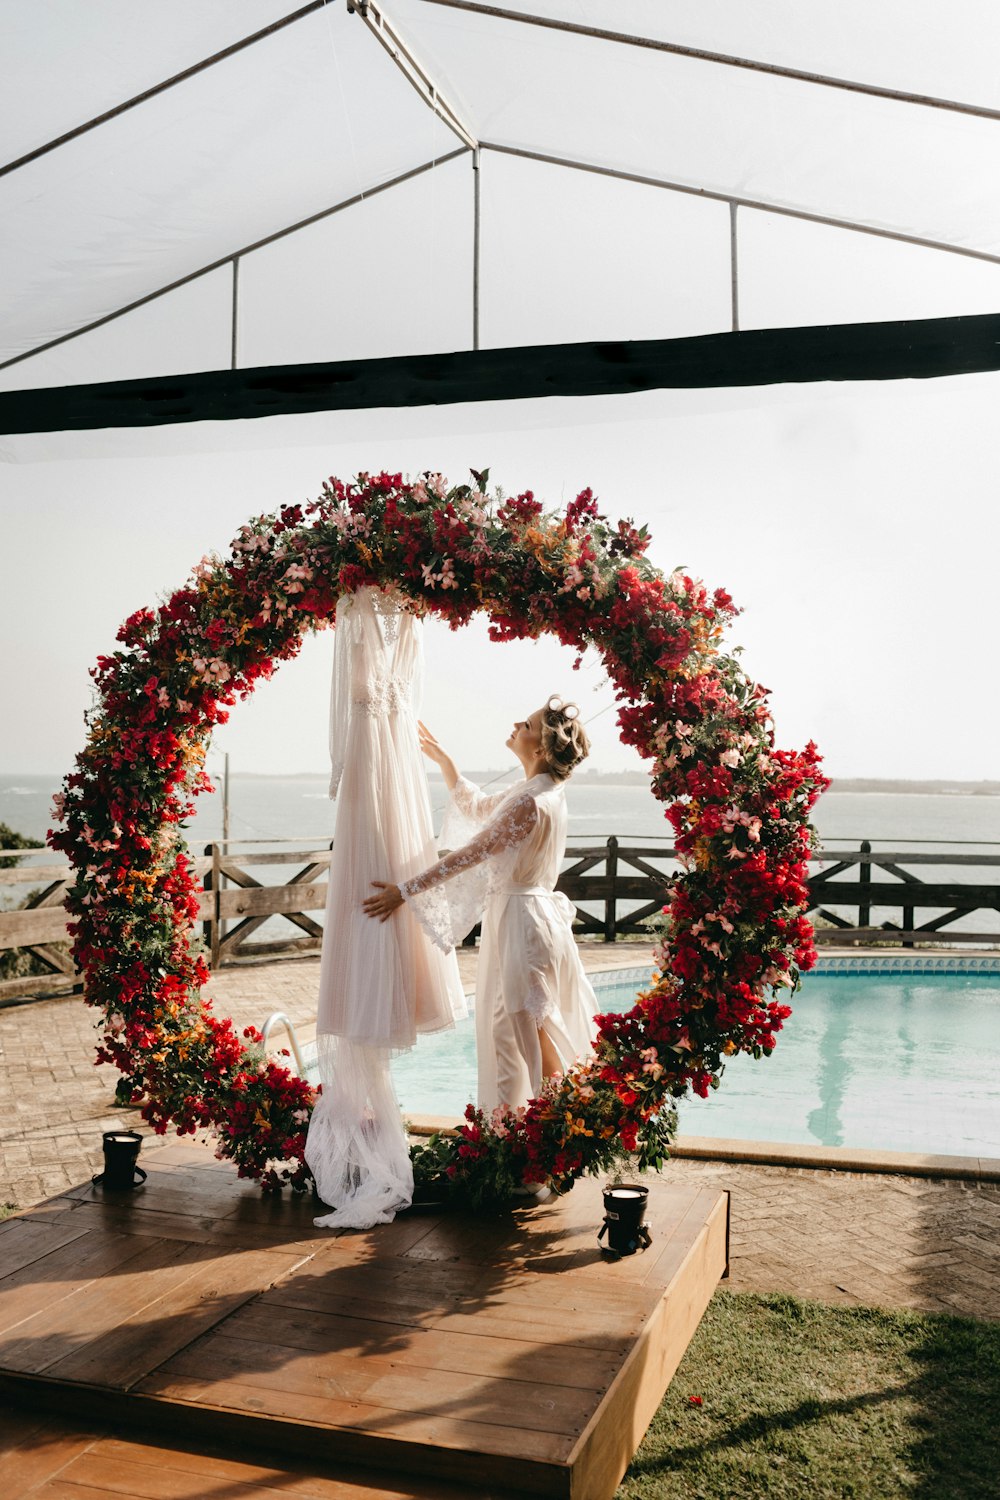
{"points": [[654, 1141], [11, 840], [431, 1159], [435, 1177]]}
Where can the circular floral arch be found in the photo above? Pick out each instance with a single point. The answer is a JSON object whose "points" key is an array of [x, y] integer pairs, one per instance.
{"points": [[735, 935]]}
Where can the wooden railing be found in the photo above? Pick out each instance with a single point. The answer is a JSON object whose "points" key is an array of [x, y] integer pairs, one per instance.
{"points": [[910, 893], [616, 887], [233, 894], [607, 874], [34, 926]]}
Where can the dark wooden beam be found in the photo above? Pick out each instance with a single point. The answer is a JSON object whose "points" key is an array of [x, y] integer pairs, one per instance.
{"points": [[920, 349]]}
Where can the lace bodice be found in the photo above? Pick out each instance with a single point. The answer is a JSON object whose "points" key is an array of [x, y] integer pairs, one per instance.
{"points": [[383, 694], [376, 667]]}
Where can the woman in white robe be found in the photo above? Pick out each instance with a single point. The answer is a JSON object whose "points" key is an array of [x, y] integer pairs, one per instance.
{"points": [[534, 1003]]}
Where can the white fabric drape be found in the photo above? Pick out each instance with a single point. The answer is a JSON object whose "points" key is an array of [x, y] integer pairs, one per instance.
{"points": [[380, 982], [530, 975], [357, 1149]]}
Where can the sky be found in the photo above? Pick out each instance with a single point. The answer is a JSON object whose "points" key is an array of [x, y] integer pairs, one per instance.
{"points": [[855, 525]]}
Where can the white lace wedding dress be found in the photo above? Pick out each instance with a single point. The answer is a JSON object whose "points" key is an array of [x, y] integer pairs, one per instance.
{"points": [[530, 974], [380, 982]]}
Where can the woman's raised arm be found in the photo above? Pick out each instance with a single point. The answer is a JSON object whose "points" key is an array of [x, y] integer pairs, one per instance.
{"points": [[440, 757]]}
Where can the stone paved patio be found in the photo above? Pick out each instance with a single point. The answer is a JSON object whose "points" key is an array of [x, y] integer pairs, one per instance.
{"points": [[844, 1237]]}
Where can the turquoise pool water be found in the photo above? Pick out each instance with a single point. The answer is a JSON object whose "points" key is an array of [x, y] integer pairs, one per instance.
{"points": [[891, 1060]]}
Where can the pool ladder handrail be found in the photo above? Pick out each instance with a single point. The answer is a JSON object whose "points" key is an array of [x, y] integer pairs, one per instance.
{"points": [[280, 1019]]}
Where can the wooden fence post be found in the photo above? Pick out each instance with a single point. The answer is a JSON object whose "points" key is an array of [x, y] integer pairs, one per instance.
{"points": [[908, 925], [865, 880], [611, 901], [209, 922], [216, 888], [210, 927]]}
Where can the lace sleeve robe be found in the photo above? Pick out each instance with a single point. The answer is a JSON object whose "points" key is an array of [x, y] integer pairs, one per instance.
{"points": [[530, 975]]}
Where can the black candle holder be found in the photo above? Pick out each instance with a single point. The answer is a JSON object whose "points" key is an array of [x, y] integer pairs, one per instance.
{"points": [[121, 1149], [624, 1212]]}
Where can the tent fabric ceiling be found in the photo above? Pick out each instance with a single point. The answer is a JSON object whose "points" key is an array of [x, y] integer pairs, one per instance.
{"points": [[917, 46], [708, 126], [315, 116], [65, 63]]}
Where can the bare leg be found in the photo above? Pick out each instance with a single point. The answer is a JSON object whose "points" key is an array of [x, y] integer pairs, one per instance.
{"points": [[550, 1057]]}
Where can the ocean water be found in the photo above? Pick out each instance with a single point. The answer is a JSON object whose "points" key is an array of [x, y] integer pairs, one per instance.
{"points": [[292, 807]]}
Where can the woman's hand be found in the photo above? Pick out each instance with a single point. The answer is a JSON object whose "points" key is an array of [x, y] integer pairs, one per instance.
{"points": [[433, 751], [429, 745], [385, 903]]}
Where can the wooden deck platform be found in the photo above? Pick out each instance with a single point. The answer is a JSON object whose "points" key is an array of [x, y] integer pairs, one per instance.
{"points": [[494, 1355]]}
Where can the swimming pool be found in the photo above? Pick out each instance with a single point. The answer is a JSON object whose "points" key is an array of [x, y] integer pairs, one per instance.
{"points": [[896, 1054]]}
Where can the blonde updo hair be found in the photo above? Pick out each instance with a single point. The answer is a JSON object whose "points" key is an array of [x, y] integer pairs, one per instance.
{"points": [[564, 739]]}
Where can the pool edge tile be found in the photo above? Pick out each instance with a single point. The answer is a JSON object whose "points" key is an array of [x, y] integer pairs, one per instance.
{"points": [[858, 965]]}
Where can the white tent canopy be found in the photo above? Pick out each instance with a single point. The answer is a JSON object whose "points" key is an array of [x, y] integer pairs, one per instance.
{"points": [[248, 183]]}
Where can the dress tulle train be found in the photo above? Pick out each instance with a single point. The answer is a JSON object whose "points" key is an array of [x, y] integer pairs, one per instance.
{"points": [[358, 1153]]}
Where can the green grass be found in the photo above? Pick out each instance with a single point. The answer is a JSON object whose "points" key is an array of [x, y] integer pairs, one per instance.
{"points": [[6, 1209], [802, 1400]]}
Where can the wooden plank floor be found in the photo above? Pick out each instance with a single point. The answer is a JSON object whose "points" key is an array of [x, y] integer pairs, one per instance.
{"points": [[496, 1354], [46, 1458]]}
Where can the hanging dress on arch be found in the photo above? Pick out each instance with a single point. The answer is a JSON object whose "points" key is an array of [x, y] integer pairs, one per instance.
{"points": [[509, 850], [381, 983]]}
